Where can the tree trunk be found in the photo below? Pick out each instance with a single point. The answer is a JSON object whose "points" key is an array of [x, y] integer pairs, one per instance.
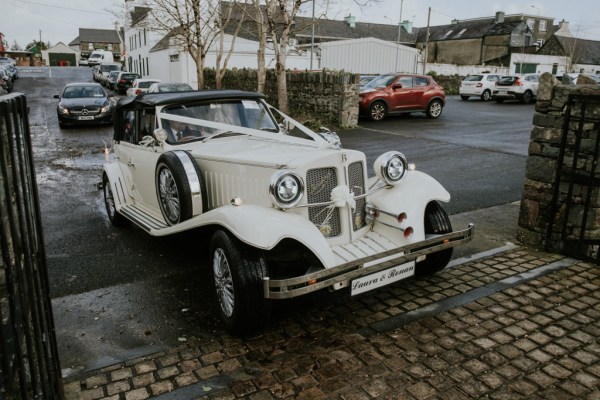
{"points": [[282, 81]]}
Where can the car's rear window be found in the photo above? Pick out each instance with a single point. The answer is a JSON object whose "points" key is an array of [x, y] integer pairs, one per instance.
{"points": [[145, 85], [474, 78], [507, 80], [129, 76]]}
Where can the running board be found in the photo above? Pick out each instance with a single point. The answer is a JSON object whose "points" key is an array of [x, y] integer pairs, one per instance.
{"points": [[142, 218]]}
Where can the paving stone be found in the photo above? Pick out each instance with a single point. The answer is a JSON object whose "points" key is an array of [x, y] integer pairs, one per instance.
{"points": [[143, 380], [137, 394], [121, 374], [144, 367], [587, 380], [541, 379], [161, 387], [421, 390], [96, 380], [523, 387], [168, 372], [117, 387]]}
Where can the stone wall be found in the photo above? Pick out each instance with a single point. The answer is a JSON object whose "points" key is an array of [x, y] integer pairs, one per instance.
{"points": [[540, 198], [323, 98]]}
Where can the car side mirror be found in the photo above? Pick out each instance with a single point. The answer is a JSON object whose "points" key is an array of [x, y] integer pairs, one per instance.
{"points": [[397, 86], [56, 96], [111, 95]]}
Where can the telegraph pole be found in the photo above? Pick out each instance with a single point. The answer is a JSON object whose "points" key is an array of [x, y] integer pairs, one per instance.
{"points": [[426, 40], [399, 29]]}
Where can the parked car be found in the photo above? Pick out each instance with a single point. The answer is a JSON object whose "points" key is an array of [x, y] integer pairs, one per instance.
{"points": [[523, 88], [480, 85], [112, 80], [83, 62], [100, 57], [286, 211], [5, 80], [105, 69], [96, 73], [140, 85], [169, 87], [7, 60], [84, 103], [124, 81], [401, 93]]}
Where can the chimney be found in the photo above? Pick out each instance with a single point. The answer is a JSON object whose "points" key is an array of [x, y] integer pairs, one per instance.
{"points": [[407, 25], [351, 21], [499, 17], [563, 29], [454, 22]]}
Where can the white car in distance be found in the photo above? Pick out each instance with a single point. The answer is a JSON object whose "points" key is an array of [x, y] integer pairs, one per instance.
{"points": [[140, 85]]}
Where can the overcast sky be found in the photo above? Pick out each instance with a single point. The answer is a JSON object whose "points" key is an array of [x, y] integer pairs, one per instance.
{"points": [[60, 20]]}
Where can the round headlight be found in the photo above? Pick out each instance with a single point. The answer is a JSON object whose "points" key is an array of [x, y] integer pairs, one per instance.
{"points": [[286, 189], [390, 167]]}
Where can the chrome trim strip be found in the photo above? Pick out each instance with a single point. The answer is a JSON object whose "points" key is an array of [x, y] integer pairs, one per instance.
{"points": [[190, 171], [293, 287]]}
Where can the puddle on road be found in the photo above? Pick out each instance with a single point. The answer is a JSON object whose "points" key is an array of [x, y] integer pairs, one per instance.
{"points": [[91, 161]]}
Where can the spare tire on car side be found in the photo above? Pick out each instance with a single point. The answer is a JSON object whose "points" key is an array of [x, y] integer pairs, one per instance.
{"points": [[179, 186]]}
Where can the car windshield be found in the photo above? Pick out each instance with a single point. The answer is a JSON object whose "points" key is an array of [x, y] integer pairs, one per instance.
{"points": [[248, 113], [474, 78], [73, 92], [381, 81], [145, 85], [183, 87]]}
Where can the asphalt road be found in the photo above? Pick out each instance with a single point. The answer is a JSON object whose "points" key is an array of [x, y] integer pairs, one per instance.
{"points": [[119, 293]]}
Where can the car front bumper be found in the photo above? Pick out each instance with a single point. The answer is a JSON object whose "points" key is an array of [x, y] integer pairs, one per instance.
{"points": [[104, 118], [345, 273]]}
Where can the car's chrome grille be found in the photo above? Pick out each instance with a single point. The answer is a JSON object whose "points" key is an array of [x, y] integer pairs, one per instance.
{"points": [[319, 184], [88, 110], [356, 182]]}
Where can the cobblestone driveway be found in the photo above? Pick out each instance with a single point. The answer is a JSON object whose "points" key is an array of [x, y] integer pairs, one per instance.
{"points": [[518, 325]]}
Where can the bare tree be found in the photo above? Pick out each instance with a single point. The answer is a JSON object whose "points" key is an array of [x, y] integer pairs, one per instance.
{"points": [[226, 18]]}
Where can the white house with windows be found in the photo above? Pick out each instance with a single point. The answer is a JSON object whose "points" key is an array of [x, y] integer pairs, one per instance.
{"points": [[158, 56]]}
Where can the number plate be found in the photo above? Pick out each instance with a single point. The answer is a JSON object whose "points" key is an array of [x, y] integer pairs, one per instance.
{"points": [[86, 117], [382, 278]]}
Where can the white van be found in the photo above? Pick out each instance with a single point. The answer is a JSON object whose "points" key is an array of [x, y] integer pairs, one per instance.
{"points": [[100, 57]]}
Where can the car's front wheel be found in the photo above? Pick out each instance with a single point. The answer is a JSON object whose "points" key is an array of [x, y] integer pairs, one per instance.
{"points": [[377, 111], [109, 201], [436, 222], [486, 95], [238, 273], [434, 109]]}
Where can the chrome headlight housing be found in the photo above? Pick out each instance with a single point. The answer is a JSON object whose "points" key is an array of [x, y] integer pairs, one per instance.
{"points": [[286, 189], [390, 167], [63, 110], [105, 109]]}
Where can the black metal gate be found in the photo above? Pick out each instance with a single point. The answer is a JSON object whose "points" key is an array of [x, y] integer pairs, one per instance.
{"points": [[574, 226], [29, 366]]}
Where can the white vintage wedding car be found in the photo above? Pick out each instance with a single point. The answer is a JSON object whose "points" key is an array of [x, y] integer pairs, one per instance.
{"points": [[289, 211]]}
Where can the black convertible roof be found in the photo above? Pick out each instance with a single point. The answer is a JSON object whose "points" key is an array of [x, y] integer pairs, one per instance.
{"points": [[161, 99]]}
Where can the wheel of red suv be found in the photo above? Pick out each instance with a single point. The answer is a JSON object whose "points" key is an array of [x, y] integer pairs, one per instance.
{"points": [[377, 111], [109, 201], [486, 95], [173, 186], [238, 273], [527, 97], [436, 223], [434, 109]]}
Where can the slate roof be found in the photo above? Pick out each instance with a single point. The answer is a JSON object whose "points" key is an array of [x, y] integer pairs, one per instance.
{"points": [[335, 29], [96, 36], [468, 30], [583, 51], [138, 14]]}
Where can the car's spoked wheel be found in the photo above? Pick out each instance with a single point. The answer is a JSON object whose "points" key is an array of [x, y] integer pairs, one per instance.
{"points": [[434, 109], [377, 111], [486, 96], [238, 273], [168, 195], [436, 222], [109, 201]]}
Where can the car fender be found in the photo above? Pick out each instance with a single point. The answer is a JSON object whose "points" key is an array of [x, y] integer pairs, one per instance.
{"points": [[262, 227], [411, 196]]}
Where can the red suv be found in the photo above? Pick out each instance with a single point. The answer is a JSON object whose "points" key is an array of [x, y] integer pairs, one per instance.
{"points": [[401, 93]]}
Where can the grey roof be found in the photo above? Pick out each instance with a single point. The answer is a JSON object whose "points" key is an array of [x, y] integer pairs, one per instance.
{"points": [[75, 42], [98, 36], [335, 29], [581, 50], [474, 29], [138, 14]]}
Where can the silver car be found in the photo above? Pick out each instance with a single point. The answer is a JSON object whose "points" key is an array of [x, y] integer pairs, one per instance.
{"points": [[479, 85]]}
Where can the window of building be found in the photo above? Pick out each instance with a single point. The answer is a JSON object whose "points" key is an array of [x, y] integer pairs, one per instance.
{"points": [[110, 46], [144, 36], [542, 26], [90, 46], [531, 23], [147, 66]]}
